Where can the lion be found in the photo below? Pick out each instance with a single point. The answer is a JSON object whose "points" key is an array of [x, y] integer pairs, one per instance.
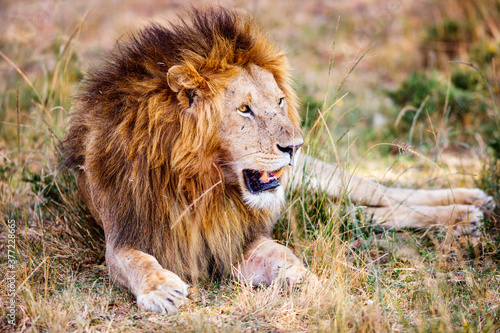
{"points": [[184, 141]]}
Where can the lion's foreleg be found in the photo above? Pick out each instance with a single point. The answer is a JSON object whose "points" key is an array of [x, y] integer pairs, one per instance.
{"points": [[155, 288], [266, 261]]}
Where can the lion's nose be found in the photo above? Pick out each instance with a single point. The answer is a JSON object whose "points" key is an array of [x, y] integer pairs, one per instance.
{"points": [[290, 149]]}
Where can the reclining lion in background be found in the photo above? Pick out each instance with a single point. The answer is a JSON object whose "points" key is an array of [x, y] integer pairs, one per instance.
{"points": [[183, 142]]}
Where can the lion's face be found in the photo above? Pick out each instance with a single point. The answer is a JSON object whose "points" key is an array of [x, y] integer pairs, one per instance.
{"points": [[259, 136]]}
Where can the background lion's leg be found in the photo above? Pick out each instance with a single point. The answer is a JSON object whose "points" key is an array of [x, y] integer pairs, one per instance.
{"points": [[464, 196], [464, 219], [156, 289], [266, 261], [318, 175]]}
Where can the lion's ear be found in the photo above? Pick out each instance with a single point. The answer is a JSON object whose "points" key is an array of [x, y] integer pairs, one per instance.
{"points": [[181, 77]]}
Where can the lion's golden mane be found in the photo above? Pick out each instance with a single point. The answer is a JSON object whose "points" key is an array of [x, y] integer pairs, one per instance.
{"points": [[150, 170]]}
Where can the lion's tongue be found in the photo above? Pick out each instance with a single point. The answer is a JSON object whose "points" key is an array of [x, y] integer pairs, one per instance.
{"points": [[267, 176]]}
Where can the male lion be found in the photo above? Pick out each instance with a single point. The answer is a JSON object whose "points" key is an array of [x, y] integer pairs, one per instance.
{"points": [[183, 142]]}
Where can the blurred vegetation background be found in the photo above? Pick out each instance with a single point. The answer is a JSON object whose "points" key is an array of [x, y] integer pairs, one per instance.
{"points": [[409, 91]]}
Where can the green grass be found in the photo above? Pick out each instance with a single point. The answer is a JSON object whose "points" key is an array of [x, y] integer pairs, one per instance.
{"points": [[371, 279]]}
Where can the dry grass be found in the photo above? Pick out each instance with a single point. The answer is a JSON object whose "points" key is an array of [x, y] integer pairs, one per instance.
{"points": [[370, 279]]}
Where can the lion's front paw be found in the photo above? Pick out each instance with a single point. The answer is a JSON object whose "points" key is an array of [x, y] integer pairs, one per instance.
{"points": [[294, 276], [162, 292], [470, 220]]}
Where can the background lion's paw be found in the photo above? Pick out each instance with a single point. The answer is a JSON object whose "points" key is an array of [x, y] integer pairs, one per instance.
{"points": [[471, 221], [162, 292], [482, 200]]}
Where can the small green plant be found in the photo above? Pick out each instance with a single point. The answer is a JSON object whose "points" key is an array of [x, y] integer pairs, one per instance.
{"points": [[482, 53], [460, 102], [414, 90], [448, 32]]}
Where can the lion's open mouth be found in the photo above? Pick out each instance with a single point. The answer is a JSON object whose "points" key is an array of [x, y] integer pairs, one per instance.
{"points": [[258, 181]]}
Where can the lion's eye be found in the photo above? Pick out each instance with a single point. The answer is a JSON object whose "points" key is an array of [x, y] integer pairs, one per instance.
{"points": [[281, 102], [245, 110]]}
